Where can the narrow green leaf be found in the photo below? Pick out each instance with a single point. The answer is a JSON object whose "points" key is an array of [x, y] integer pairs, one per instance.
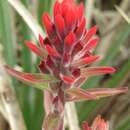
{"points": [[7, 32]]}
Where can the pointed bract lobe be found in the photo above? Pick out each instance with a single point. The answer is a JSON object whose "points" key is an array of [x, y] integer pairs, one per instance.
{"points": [[48, 24], [34, 48], [52, 51], [67, 79], [70, 40], [94, 71], [80, 12], [60, 25], [90, 33], [91, 45], [80, 29], [57, 9]]}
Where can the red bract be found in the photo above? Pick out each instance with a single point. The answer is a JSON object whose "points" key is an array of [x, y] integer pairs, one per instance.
{"points": [[98, 124]]}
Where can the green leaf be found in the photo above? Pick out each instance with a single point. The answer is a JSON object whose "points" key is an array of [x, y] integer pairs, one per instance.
{"points": [[7, 32]]}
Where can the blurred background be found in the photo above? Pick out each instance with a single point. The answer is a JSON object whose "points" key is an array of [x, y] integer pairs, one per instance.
{"points": [[20, 20]]}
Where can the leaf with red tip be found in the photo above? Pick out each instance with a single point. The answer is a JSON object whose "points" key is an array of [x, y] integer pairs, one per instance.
{"points": [[77, 94], [41, 41], [104, 92], [52, 51], [91, 32], [34, 48], [37, 80], [60, 25], [85, 61], [67, 79], [94, 71], [80, 30], [69, 40], [48, 24]]}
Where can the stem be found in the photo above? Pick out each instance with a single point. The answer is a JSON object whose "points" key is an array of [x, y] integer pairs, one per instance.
{"points": [[54, 105]]}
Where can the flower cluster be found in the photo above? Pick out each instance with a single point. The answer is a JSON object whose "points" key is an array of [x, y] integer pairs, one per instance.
{"points": [[66, 53], [98, 124]]}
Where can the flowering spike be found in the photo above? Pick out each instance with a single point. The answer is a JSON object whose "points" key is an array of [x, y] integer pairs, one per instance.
{"points": [[34, 48], [53, 52], [69, 45]]}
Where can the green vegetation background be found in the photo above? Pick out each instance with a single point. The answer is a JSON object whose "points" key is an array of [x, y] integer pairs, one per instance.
{"points": [[114, 47]]}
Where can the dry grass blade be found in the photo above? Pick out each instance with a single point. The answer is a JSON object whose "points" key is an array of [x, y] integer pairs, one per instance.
{"points": [[9, 106], [123, 14], [71, 112], [28, 18]]}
